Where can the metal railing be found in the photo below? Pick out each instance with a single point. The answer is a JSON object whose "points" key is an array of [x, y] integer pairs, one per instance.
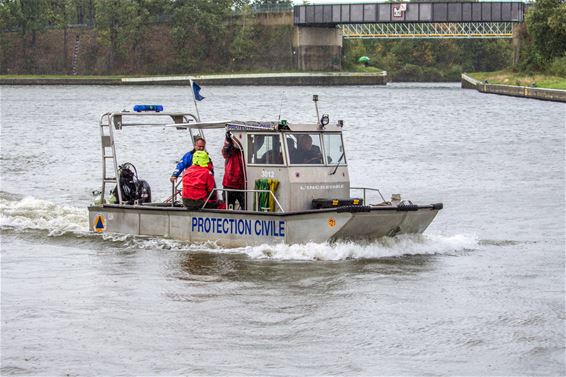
{"points": [[256, 201], [364, 189], [255, 207], [428, 30]]}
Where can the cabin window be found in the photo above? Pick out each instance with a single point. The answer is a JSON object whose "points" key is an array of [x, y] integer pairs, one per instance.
{"points": [[304, 148], [334, 149], [265, 149]]}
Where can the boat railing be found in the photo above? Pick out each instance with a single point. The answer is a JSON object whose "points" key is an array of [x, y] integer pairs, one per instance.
{"points": [[256, 206], [175, 191], [365, 189]]}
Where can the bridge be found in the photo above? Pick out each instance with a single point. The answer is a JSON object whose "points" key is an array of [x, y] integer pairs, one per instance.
{"points": [[321, 28], [414, 20]]}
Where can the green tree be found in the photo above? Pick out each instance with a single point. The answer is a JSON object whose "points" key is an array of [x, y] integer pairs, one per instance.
{"points": [[273, 2], [29, 17], [546, 24], [243, 47], [137, 27], [122, 26], [61, 16], [199, 30], [9, 20]]}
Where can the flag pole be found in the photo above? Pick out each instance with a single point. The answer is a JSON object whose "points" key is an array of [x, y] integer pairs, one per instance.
{"points": [[194, 98]]}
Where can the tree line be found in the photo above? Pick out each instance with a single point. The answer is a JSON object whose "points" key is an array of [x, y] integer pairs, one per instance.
{"points": [[542, 41], [196, 29], [178, 36]]}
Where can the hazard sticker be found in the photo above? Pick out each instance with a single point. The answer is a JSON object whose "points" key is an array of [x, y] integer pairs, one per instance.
{"points": [[331, 222], [99, 224]]}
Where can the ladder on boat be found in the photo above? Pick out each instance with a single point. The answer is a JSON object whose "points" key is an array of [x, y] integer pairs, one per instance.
{"points": [[109, 156]]}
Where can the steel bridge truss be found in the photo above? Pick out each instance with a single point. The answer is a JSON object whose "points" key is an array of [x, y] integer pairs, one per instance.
{"points": [[428, 30]]}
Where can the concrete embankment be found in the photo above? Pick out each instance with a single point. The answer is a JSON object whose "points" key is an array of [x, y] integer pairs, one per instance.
{"points": [[515, 91], [330, 78]]}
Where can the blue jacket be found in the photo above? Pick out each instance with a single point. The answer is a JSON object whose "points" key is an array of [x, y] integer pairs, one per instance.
{"points": [[185, 162]]}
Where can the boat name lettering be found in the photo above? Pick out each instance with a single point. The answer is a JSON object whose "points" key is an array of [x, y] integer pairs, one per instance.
{"points": [[321, 187], [241, 227]]}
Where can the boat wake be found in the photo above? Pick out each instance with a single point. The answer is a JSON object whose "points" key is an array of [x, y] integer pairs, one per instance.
{"points": [[19, 214], [386, 247], [28, 213]]}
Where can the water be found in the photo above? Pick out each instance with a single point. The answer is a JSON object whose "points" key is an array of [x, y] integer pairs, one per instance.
{"points": [[480, 293]]}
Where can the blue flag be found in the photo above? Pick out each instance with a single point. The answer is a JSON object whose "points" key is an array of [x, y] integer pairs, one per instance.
{"points": [[196, 92]]}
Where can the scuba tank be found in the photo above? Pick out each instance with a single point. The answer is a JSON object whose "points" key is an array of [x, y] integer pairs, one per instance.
{"points": [[134, 190]]}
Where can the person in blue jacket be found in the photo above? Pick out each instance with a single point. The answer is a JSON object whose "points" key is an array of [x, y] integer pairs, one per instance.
{"points": [[187, 159]]}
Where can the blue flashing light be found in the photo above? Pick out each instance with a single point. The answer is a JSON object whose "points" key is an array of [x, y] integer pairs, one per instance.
{"points": [[140, 108]]}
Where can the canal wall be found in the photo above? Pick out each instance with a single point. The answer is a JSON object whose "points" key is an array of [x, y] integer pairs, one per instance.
{"points": [[515, 91], [271, 79]]}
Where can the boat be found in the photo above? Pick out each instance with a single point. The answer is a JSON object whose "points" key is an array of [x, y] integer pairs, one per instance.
{"points": [[288, 200]]}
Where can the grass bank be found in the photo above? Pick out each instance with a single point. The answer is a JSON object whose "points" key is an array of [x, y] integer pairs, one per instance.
{"points": [[66, 77], [520, 79]]}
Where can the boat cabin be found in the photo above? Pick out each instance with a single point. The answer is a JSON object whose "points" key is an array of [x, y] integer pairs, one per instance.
{"points": [[307, 161], [298, 163]]}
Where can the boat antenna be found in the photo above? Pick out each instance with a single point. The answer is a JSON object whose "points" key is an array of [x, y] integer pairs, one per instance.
{"points": [[315, 100], [283, 95]]}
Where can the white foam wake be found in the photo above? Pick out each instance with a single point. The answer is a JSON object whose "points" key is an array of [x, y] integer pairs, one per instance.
{"points": [[36, 214], [382, 248]]}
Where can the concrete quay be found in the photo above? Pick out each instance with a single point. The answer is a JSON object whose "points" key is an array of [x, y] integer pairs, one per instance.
{"points": [[270, 79], [515, 91]]}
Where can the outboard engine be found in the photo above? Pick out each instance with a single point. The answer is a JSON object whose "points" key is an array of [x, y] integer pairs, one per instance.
{"points": [[134, 190]]}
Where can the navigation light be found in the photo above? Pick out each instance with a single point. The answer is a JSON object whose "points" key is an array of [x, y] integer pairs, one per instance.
{"points": [[140, 108]]}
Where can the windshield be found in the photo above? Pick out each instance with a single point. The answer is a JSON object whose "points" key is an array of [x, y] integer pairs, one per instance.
{"points": [[304, 148], [264, 149], [334, 148]]}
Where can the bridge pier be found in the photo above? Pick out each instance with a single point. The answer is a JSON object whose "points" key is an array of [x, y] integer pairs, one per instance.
{"points": [[317, 48]]}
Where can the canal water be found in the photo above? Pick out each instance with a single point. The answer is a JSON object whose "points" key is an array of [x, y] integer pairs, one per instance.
{"points": [[480, 293]]}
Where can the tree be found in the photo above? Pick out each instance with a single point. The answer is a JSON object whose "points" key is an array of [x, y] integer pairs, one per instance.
{"points": [[29, 17], [273, 2], [199, 30], [136, 28], [115, 20], [546, 24], [243, 45]]}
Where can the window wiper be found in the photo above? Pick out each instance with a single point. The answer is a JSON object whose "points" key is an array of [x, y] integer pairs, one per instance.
{"points": [[338, 163]]}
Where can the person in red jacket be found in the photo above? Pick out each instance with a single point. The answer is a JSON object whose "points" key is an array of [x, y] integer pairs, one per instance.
{"points": [[198, 182], [233, 173]]}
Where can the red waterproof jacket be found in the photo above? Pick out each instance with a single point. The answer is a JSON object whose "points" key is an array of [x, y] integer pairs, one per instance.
{"points": [[198, 182], [233, 169]]}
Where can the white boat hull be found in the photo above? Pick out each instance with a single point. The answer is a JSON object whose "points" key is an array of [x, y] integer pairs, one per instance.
{"points": [[236, 229]]}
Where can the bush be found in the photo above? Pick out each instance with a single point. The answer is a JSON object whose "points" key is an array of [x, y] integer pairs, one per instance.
{"points": [[409, 72], [432, 74], [454, 73], [558, 67]]}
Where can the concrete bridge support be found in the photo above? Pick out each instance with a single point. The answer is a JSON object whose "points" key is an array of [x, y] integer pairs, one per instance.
{"points": [[317, 49]]}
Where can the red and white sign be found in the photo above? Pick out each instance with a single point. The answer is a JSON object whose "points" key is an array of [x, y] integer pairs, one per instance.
{"points": [[399, 10]]}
